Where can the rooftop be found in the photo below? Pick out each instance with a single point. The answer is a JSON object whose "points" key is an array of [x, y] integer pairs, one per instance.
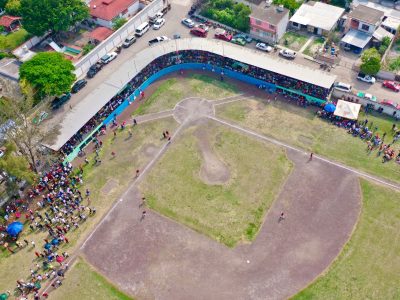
{"points": [[356, 38], [109, 9], [74, 119], [9, 67], [318, 14], [273, 14], [101, 33], [6, 21], [367, 14]]}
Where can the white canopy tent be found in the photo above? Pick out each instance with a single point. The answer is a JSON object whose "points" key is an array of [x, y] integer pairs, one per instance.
{"points": [[348, 110]]}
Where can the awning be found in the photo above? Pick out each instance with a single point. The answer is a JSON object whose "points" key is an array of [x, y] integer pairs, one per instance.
{"points": [[348, 110], [356, 38], [380, 33]]}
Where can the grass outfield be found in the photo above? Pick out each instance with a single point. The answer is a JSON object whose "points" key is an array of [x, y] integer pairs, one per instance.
{"points": [[231, 212], [368, 267], [302, 128], [84, 283], [173, 90], [106, 182]]}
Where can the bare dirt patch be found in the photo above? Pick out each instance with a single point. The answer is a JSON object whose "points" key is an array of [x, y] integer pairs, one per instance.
{"points": [[213, 170], [150, 150], [109, 186]]}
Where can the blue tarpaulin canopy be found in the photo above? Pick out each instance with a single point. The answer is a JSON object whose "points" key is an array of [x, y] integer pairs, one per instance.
{"points": [[14, 228], [330, 107]]}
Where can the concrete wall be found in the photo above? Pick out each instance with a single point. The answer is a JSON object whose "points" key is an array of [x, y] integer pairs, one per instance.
{"points": [[116, 38]]}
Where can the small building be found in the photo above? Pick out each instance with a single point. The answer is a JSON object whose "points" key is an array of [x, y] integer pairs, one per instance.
{"points": [[361, 24], [316, 17], [269, 24], [100, 34], [10, 23], [391, 25], [105, 12]]}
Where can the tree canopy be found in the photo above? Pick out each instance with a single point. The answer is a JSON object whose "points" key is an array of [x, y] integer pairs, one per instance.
{"points": [[13, 7], [371, 61], [118, 23], [291, 5], [49, 73], [40, 16]]}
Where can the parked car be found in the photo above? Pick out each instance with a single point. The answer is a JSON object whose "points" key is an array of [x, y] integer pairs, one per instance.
{"points": [[198, 32], [367, 96], [366, 78], [59, 101], [239, 41], [344, 87], [394, 86], [154, 18], [129, 41], [287, 53], [263, 47], [80, 84], [390, 103], [94, 69], [158, 40], [222, 34], [203, 26], [188, 23], [159, 23], [108, 57], [246, 38]]}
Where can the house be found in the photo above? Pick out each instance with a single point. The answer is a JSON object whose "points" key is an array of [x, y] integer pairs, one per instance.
{"points": [[10, 23], [316, 17], [104, 12], [269, 24], [100, 34], [361, 24]]}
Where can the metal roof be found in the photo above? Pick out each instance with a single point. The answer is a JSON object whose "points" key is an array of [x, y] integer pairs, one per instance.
{"points": [[81, 113], [356, 38]]}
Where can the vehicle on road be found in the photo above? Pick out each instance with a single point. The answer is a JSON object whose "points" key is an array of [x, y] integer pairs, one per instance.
{"points": [[80, 84], [264, 47], [108, 57], [366, 78], [238, 41], [367, 96], [129, 41], [222, 34], [288, 53], [203, 26], [198, 32], [158, 40], [390, 103], [341, 86], [142, 29], [94, 69], [154, 18], [246, 38], [188, 23], [394, 86], [59, 101], [158, 24]]}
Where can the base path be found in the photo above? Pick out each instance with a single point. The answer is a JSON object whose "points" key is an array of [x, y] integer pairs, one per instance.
{"points": [[157, 258]]}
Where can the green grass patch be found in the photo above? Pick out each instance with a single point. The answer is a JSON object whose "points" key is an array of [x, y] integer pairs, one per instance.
{"points": [[231, 212], [173, 90], [293, 40], [394, 64], [368, 267], [302, 128], [13, 40], [83, 282]]}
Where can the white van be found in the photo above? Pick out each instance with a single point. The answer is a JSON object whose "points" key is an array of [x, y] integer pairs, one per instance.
{"points": [[344, 87], [142, 29]]}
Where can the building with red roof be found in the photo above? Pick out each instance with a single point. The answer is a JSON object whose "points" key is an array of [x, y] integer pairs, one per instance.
{"points": [[103, 12], [100, 34], [10, 23]]}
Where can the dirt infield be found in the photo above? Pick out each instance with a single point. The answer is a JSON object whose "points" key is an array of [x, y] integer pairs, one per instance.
{"points": [[157, 258]]}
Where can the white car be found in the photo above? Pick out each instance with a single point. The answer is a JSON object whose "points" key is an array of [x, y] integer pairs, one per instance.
{"points": [[108, 57], [287, 53], [188, 23], [158, 40], [366, 78], [203, 26], [159, 23], [263, 47]]}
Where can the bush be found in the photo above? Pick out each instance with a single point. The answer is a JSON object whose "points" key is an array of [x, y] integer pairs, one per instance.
{"points": [[87, 48], [371, 61], [235, 15], [117, 23], [291, 5], [386, 41], [394, 65], [382, 49]]}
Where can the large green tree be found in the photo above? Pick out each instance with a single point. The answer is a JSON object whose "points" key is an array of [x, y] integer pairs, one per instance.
{"points": [[49, 73], [40, 16], [371, 61], [13, 7]]}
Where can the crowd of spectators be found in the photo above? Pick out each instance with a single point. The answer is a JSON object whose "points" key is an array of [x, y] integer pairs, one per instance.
{"points": [[195, 56], [55, 206]]}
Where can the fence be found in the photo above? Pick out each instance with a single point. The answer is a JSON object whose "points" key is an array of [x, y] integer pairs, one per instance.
{"points": [[117, 37]]}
